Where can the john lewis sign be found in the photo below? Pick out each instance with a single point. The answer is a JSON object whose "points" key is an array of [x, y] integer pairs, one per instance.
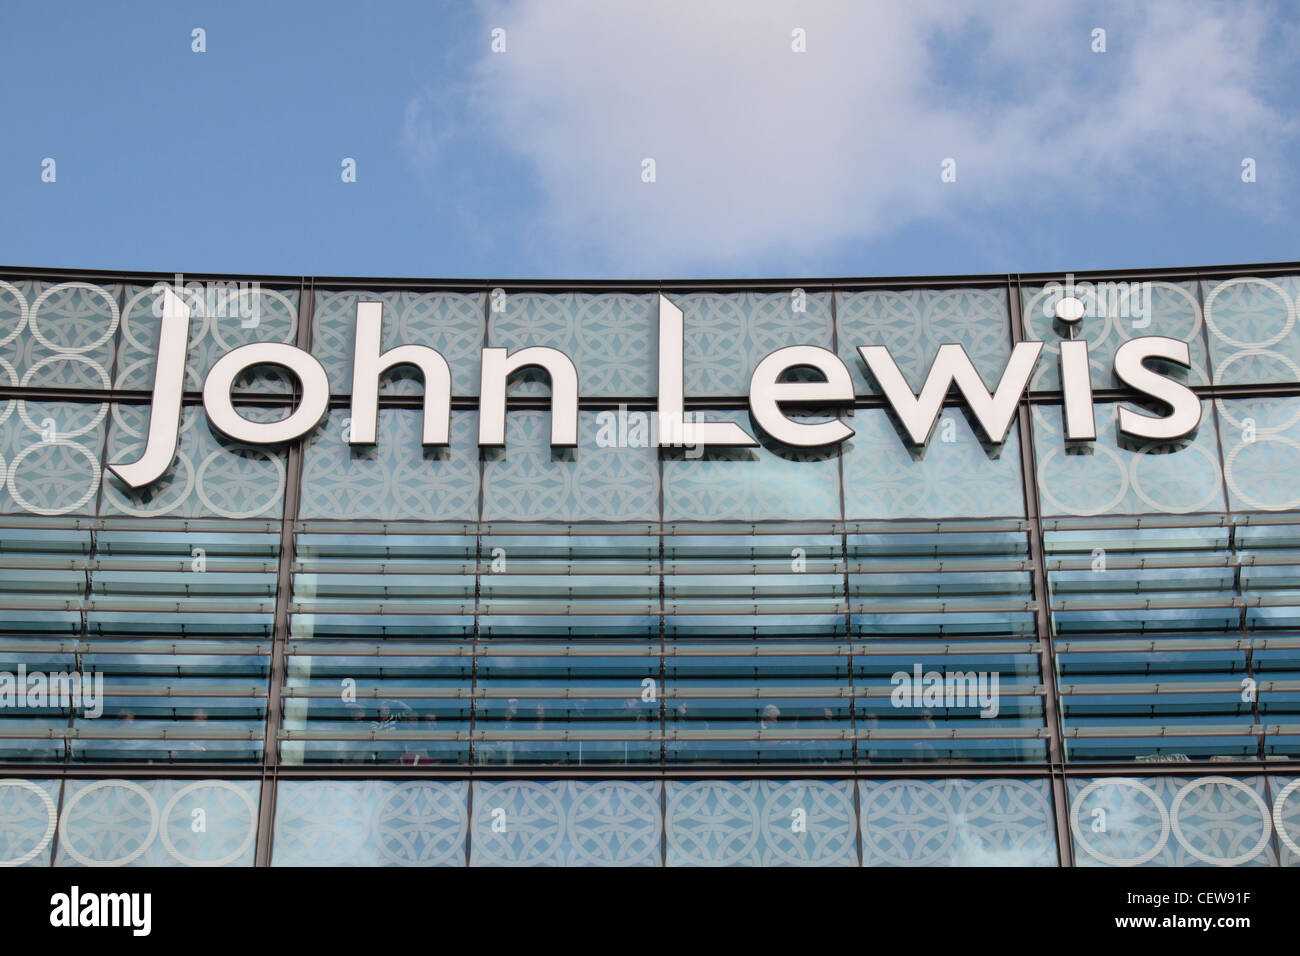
{"points": [[768, 393]]}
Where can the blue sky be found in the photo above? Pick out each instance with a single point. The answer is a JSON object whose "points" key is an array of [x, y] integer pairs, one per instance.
{"points": [[529, 162]]}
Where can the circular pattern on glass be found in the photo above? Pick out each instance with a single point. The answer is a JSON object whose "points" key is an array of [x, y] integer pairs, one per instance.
{"points": [[1177, 478], [420, 824], [108, 822], [243, 802], [41, 805], [1242, 292], [907, 823], [83, 314], [1279, 809], [1158, 840], [54, 483], [1223, 785], [21, 301], [1278, 475], [240, 483]]}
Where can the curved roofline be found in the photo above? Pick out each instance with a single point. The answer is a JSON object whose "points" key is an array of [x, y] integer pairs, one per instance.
{"points": [[652, 285]]}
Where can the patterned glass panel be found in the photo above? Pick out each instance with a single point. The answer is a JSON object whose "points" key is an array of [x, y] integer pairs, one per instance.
{"points": [[727, 334], [451, 322], [158, 823], [913, 323], [50, 456], [395, 478], [761, 823], [1115, 313], [612, 337], [750, 484], [995, 822], [1253, 333], [370, 823], [566, 823], [598, 480], [28, 818], [210, 476], [956, 475], [1171, 821], [223, 316], [1286, 817], [58, 335], [1105, 477], [1261, 452]]}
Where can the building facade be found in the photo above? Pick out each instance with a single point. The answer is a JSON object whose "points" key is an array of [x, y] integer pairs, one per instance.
{"points": [[1030, 648]]}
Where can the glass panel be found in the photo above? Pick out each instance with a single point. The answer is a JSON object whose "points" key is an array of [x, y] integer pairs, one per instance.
{"points": [[726, 335], [1171, 821], [566, 823], [1261, 452], [58, 335], [913, 323], [28, 817], [949, 668], [606, 478], [568, 665], [1286, 817], [750, 484], [1253, 332], [956, 475], [756, 664], [450, 322], [223, 316], [1107, 477], [1152, 656], [152, 823], [995, 822], [49, 455], [380, 663], [370, 823], [178, 625], [761, 823], [395, 478], [1115, 312], [612, 337], [210, 476]]}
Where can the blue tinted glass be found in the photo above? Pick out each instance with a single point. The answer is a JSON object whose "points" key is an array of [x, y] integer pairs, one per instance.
{"points": [[1252, 324], [913, 323]]}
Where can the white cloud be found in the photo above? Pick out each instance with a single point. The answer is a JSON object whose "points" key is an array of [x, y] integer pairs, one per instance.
{"points": [[762, 152]]}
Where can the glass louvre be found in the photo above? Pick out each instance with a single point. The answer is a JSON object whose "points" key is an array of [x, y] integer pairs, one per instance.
{"points": [[648, 656], [1151, 649], [756, 661], [955, 608], [569, 663], [378, 668]]}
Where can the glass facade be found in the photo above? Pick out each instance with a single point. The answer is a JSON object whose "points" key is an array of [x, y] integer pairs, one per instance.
{"points": [[1034, 652]]}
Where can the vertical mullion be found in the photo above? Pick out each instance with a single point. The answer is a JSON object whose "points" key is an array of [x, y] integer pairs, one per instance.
{"points": [[1042, 616], [844, 556], [283, 595], [478, 599]]}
